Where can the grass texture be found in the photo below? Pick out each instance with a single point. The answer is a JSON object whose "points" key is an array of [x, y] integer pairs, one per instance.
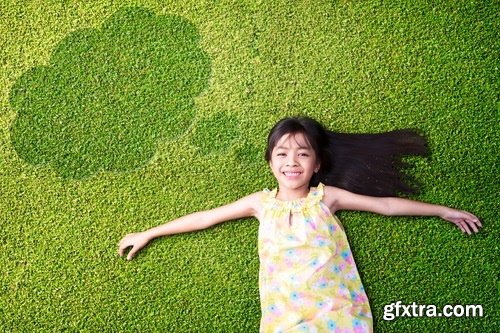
{"points": [[118, 116]]}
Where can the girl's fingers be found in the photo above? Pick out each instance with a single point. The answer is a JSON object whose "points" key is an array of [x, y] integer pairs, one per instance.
{"points": [[121, 249], [466, 227], [472, 224], [467, 222], [474, 220], [132, 252], [131, 240], [122, 246], [461, 224]]}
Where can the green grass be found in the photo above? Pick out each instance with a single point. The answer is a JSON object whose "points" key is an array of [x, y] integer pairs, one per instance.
{"points": [[108, 95], [117, 117]]}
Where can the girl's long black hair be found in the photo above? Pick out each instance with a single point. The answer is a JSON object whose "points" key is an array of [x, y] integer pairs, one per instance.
{"points": [[368, 164]]}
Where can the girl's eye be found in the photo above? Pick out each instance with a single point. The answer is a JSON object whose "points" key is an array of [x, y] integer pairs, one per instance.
{"points": [[304, 155], [280, 154]]}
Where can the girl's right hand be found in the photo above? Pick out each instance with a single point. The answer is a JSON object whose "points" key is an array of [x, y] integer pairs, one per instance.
{"points": [[462, 219], [136, 240]]}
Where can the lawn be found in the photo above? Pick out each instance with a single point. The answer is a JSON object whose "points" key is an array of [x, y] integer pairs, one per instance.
{"points": [[119, 116]]}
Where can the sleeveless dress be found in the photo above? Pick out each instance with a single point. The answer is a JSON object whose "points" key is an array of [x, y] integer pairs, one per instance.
{"points": [[308, 281]]}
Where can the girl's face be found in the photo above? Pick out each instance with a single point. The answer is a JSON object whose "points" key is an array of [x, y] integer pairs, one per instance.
{"points": [[293, 161]]}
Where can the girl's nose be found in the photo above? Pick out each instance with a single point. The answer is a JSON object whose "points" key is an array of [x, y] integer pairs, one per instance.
{"points": [[291, 161]]}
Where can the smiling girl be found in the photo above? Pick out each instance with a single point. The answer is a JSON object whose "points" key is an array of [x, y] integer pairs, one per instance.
{"points": [[308, 280]]}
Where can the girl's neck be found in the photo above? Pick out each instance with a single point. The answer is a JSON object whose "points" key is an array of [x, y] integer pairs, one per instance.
{"points": [[288, 194]]}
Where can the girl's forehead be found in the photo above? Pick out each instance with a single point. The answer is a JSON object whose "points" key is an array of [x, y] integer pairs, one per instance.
{"points": [[293, 140]]}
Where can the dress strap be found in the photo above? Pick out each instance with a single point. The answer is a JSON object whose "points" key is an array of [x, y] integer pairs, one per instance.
{"points": [[268, 198], [316, 194]]}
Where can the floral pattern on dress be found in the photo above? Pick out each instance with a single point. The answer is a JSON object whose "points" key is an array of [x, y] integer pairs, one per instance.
{"points": [[308, 279]]}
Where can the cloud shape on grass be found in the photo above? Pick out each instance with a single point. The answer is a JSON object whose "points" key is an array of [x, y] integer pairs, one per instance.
{"points": [[215, 134], [108, 95]]}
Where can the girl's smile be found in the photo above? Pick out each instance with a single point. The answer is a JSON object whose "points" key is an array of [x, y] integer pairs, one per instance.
{"points": [[291, 174]]}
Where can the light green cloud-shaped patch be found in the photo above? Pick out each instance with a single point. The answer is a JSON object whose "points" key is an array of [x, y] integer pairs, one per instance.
{"points": [[108, 95]]}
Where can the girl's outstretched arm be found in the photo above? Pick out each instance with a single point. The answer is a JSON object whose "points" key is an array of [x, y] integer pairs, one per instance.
{"points": [[244, 207], [339, 199]]}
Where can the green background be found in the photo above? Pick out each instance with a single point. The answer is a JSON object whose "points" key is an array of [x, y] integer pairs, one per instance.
{"points": [[356, 66]]}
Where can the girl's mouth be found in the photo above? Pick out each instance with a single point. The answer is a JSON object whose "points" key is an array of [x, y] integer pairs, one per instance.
{"points": [[291, 174]]}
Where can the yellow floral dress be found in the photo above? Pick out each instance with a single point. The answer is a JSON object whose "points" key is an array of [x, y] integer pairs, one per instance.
{"points": [[308, 280]]}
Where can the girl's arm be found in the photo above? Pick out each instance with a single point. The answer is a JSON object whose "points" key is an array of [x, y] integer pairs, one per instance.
{"points": [[245, 207], [339, 199]]}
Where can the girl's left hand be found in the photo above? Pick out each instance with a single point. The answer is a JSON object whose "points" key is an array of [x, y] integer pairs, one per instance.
{"points": [[462, 219]]}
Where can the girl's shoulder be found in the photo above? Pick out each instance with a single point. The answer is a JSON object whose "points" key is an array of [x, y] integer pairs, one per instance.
{"points": [[254, 201], [331, 195]]}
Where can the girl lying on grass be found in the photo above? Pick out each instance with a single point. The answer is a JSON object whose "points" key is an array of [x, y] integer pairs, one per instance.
{"points": [[308, 279]]}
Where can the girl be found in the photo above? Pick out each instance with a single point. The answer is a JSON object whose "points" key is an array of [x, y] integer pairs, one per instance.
{"points": [[308, 279]]}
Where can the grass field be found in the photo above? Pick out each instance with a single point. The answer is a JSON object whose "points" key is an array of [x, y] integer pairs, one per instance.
{"points": [[118, 116]]}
